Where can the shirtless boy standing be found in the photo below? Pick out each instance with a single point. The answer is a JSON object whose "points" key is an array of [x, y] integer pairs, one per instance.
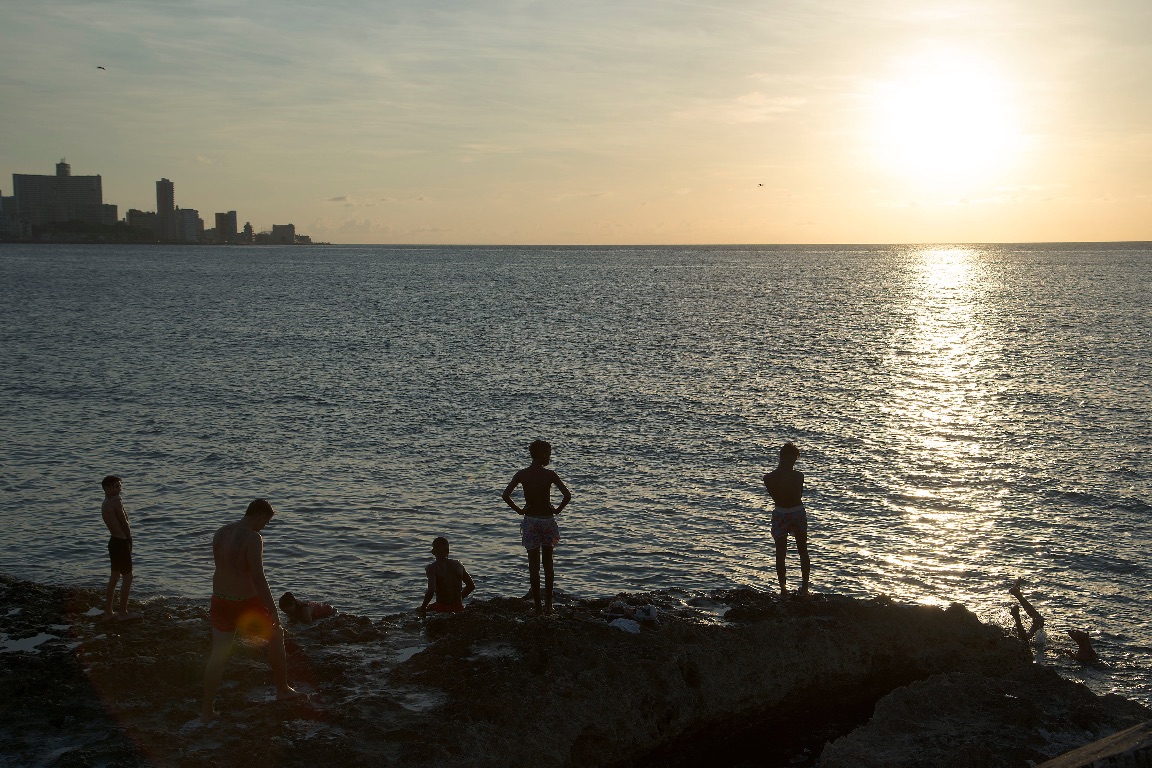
{"points": [[242, 601], [119, 547], [445, 579], [538, 529], [786, 485]]}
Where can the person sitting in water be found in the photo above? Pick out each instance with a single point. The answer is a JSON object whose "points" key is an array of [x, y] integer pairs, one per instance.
{"points": [[1084, 651], [448, 581], [304, 611]]}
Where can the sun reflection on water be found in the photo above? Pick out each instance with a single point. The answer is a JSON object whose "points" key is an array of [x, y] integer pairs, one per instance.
{"points": [[934, 412]]}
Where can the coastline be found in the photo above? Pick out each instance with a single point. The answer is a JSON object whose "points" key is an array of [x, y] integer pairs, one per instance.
{"points": [[720, 679]]}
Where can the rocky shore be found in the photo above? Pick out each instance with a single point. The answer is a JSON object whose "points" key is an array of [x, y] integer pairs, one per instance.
{"points": [[731, 678]]}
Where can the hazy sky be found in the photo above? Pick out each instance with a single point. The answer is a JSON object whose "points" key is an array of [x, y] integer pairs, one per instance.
{"points": [[582, 121]]}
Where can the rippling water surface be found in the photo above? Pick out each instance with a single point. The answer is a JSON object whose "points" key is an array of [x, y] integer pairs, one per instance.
{"points": [[966, 414]]}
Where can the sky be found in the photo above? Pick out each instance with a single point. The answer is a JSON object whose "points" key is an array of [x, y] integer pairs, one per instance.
{"points": [[594, 122]]}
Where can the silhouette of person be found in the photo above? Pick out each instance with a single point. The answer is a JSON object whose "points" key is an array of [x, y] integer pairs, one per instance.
{"points": [[119, 548], [538, 530], [448, 581], [786, 486]]}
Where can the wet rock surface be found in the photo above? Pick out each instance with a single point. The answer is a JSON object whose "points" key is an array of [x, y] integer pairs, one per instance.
{"points": [[717, 681]]}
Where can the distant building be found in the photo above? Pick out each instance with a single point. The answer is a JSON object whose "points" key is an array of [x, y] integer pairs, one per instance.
{"points": [[7, 217], [226, 227], [166, 211], [303, 240], [248, 236], [42, 200], [189, 226], [143, 220], [283, 234]]}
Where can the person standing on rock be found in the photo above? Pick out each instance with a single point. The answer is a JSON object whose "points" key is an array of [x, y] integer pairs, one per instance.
{"points": [[119, 548], [242, 601], [538, 530], [786, 486]]}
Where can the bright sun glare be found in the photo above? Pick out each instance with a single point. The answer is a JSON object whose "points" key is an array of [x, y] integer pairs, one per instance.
{"points": [[944, 119]]}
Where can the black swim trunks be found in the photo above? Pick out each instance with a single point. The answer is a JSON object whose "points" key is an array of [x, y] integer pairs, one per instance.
{"points": [[120, 553]]}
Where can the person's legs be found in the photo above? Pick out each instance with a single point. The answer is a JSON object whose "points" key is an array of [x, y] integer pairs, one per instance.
{"points": [[109, 610], [534, 576], [214, 671], [279, 663], [1037, 619], [805, 563], [781, 566], [125, 588], [549, 579]]}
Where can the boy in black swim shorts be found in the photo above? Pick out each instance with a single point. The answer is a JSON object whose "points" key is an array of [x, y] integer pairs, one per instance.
{"points": [[119, 546]]}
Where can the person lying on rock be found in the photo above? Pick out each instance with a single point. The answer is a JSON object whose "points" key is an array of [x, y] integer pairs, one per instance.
{"points": [[304, 611], [448, 581], [786, 486], [538, 530], [1084, 651], [242, 602]]}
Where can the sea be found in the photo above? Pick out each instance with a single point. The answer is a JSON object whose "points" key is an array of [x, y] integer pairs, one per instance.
{"points": [[967, 415]]}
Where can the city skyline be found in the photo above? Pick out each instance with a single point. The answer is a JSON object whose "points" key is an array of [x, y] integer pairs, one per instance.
{"points": [[523, 122], [41, 203]]}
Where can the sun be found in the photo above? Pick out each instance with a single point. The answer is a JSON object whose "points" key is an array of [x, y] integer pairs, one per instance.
{"points": [[945, 118]]}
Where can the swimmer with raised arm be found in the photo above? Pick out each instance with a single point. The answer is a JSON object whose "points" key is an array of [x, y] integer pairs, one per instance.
{"points": [[1084, 651], [786, 486], [242, 602], [538, 530]]}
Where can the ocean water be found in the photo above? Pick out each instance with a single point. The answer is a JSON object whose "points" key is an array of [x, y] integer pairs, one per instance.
{"points": [[966, 414]]}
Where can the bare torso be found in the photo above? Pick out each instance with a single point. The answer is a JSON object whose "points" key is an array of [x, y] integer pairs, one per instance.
{"points": [[448, 576], [537, 482], [115, 517], [786, 486], [237, 551]]}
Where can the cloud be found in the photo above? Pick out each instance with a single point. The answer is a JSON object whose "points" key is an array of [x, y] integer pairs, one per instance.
{"points": [[340, 199], [753, 107]]}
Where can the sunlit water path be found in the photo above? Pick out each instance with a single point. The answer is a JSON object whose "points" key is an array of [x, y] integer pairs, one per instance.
{"points": [[966, 414]]}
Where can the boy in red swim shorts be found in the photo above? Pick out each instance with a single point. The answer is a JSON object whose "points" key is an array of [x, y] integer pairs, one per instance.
{"points": [[242, 602]]}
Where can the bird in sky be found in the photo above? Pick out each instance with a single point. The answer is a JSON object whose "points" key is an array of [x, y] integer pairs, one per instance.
{"points": [[100, 67]]}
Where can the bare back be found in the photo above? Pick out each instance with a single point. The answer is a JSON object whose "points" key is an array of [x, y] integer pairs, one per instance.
{"points": [[446, 577], [238, 552], [537, 482], [786, 486]]}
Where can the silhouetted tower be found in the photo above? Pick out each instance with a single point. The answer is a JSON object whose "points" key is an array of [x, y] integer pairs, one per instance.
{"points": [[166, 210], [63, 169]]}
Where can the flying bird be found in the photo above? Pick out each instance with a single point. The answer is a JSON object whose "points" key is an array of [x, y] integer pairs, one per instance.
{"points": [[100, 67]]}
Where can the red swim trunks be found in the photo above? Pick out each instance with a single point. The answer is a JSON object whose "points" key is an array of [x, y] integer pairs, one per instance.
{"points": [[442, 608], [248, 616]]}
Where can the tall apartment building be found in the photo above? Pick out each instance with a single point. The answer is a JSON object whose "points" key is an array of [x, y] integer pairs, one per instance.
{"points": [[248, 235], [226, 227], [189, 226], [166, 211], [44, 200]]}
